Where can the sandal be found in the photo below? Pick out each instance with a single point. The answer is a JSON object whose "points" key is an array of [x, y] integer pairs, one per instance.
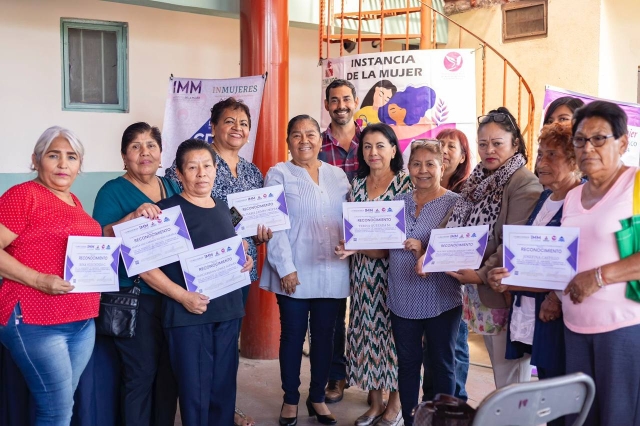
{"points": [[244, 419]]}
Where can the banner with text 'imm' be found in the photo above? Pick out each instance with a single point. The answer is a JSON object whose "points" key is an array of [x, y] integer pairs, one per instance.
{"points": [[188, 110]]}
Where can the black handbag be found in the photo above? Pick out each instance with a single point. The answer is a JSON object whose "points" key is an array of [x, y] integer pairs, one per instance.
{"points": [[444, 410], [118, 313]]}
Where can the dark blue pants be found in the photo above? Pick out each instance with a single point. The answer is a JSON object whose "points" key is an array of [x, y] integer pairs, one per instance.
{"points": [[462, 367], [440, 334], [339, 360], [611, 359], [204, 359], [295, 314], [145, 360]]}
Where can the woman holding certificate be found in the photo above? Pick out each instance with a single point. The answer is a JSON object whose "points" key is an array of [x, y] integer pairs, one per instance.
{"points": [[127, 197], [499, 191], [602, 322], [535, 324], [49, 332], [371, 352], [308, 279], [202, 334], [230, 126]]}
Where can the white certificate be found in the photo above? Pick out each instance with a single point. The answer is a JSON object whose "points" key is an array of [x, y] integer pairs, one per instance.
{"points": [[149, 244], [264, 206], [214, 270], [452, 249], [374, 225], [91, 264], [540, 256]]}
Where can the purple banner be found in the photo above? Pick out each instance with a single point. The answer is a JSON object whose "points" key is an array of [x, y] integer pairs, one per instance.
{"points": [[632, 156], [483, 243], [429, 255], [190, 281], [508, 259], [116, 258]]}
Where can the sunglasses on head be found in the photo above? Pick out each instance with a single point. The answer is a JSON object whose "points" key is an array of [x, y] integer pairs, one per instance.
{"points": [[496, 117]]}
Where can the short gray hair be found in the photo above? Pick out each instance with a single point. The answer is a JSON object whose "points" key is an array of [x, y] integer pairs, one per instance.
{"points": [[47, 137]]}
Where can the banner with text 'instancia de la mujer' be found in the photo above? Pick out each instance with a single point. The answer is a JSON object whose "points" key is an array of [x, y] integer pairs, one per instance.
{"points": [[188, 110], [417, 92], [632, 156]]}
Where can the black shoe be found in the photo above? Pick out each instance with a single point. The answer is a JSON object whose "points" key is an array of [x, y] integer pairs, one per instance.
{"points": [[288, 421], [325, 419]]}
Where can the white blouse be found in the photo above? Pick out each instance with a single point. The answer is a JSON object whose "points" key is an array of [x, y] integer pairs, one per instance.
{"points": [[315, 212]]}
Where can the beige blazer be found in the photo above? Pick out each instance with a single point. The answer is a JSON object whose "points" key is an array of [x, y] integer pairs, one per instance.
{"points": [[520, 195]]}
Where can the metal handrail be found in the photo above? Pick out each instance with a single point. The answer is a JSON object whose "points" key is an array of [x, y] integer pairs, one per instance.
{"points": [[426, 9]]}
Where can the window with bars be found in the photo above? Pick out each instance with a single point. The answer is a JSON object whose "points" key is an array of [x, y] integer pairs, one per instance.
{"points": [[94, 66]]}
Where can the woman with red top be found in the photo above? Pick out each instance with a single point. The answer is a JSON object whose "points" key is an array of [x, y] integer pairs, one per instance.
{"points": [[48, 331]]}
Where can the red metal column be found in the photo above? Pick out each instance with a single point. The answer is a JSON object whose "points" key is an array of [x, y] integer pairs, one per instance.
{"points": [[264, 47]]}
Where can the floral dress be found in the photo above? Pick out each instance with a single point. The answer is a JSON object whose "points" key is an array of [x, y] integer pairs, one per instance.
{"points": [[372, 362]]}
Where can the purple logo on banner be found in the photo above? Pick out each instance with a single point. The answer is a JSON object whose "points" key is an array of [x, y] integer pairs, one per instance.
{"points": [[573, 254], [347, 230], [429, 256], [400, 217], [128, 260], [116, 256], [283, 203], [240, 253], [508, 259], [68, 269], [182, 227], [483, 243], [190, 281]]}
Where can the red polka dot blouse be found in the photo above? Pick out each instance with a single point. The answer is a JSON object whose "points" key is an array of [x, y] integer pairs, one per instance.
{"points": [[43, 223]]}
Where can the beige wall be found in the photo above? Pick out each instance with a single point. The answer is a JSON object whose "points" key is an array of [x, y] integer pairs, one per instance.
{"points": [[160, 43], [567, 57], [619, 50]]}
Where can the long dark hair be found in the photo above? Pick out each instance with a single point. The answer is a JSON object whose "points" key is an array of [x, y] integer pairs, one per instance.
{"points": [[568, 101], [132, 132], [385, 84], [397, 162], [464, 169]]}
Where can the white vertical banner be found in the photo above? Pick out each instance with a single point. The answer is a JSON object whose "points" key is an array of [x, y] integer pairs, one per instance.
{"points": [[188, 110], [417, 92]]}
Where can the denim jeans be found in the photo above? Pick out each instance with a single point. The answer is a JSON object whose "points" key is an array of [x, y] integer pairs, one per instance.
{"points": [[51, 359], [440, 334]]}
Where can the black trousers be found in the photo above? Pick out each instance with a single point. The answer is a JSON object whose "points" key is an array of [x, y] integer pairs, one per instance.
{"points": [[147, 379], [204, 359], [295, 314]]}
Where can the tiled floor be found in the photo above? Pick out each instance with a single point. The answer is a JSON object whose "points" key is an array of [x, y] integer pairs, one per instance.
{"points": [[260, 395]]}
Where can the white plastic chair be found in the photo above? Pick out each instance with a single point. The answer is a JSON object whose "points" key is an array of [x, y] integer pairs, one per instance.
{"points": [[535, 403]]}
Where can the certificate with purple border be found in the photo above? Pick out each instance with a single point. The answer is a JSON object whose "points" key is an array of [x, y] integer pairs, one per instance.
{"points": [[215, 270], [540, 256], [91, 264], [149, 244], [373, 225], [264, 206], [452, 249]]}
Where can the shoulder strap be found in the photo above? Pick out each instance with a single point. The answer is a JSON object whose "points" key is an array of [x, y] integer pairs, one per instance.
{"points": [[636, 194]]}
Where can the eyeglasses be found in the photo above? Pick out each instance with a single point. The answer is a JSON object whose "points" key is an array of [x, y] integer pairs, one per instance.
{"points": [[497, 117], [596, 141]]}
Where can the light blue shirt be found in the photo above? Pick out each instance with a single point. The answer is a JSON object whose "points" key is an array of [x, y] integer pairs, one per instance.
{"points": [[315, 212]]}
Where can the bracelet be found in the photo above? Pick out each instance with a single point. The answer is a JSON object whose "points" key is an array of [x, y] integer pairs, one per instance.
{"points": [[599, 279]]}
